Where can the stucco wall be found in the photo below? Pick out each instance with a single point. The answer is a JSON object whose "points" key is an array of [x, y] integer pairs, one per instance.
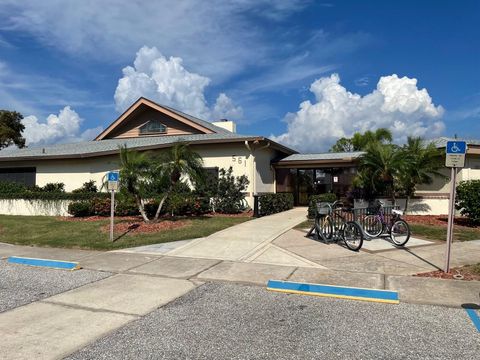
{"points": [[34, 207], [74, 172]]}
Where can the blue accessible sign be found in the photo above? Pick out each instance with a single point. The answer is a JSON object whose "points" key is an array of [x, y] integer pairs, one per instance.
{"points": [[112, 180], [455, 151], [112, 176]]}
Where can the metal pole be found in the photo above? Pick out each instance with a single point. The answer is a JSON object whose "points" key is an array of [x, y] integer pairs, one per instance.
{"points": [[112, 209], [451, 218]]}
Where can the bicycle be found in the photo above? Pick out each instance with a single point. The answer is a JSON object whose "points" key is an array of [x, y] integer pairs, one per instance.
{"points": [[325, 228], [376, 224]]}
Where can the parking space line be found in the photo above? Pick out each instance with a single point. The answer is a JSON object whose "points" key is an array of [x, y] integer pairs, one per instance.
{"points": [[55, 264], [342, 292], [474, 317]]}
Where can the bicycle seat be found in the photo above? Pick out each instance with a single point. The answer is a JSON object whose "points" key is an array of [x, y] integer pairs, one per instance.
{"points": [[397, 212]]}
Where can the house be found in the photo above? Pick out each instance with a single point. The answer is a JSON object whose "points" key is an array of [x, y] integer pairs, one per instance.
{"points": [[269, 166], [144, 126]]}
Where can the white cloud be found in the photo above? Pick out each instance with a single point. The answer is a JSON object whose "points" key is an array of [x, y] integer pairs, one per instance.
{"points": [[212, 34], [396, 104], [64, 127], [166, 81]]}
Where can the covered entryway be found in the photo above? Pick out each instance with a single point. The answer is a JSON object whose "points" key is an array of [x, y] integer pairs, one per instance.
{"points": [[310, 174]]}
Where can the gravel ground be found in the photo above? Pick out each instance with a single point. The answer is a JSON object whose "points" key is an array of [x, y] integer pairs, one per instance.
{"points": [[220, 321], [20, 284]]}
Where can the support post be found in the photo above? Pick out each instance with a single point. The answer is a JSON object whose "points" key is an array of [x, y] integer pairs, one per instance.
{"points": [[451, 218], [112, 210]]}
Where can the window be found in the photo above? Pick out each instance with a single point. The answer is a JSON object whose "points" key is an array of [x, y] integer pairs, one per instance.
{"points": [[153, 127], [25, 175]]}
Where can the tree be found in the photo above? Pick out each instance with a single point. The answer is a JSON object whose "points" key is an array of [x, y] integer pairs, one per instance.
{"points": [[359, 141], [11, 129], [422, 163], [342, 145], [177, 162], [380, 166], [135, 176], [362, 141]]}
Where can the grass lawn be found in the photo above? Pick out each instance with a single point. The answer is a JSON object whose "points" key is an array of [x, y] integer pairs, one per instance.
{"points": [[55, 232], [440, 233]]}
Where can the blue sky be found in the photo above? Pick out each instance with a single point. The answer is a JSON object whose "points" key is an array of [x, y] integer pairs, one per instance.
{"points": [[302, 72]]}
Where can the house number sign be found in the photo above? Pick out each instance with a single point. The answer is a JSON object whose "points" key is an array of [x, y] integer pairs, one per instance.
{"points": [[240, 160]]}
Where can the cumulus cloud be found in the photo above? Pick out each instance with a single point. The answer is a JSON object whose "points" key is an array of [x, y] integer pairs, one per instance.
{"points": [[396, 104], [168, 82], [64, 127]]}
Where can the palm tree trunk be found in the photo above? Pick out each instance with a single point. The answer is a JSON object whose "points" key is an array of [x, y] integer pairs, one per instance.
{"points": [[162, 201], [406, 203], [141, 209]]}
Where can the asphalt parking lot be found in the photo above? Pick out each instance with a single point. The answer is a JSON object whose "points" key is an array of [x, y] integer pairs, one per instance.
{"points": [[20, 284], [230, 321]]}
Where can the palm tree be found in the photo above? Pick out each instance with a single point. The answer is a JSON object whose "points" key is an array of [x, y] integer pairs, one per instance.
{"points": [[177, 162], [380, 166], [422, 164], [134, 176], [362, 141]]}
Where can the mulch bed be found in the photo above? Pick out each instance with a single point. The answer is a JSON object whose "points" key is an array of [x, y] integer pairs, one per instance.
{"points": [[139, 227], [438, 220], [467, 275]]}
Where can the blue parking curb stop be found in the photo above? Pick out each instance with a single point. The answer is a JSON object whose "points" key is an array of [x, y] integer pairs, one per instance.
{"points": [[474, 317], [342, 292], [55, 264]]}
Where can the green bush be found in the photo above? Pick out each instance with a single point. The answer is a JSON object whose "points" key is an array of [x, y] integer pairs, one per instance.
{"points": [[228, 193], [274, 203], [53, 187], [468, 199], [81, 208], [327, 197], [87, 187], [9, 187]]}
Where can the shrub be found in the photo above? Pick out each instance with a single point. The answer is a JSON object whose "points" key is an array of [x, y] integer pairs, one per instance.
{"points": [[81, 208], [10, 187], [327, 197], [87, 187], [53, 187], [468, 199], [228, 195], [274, 203], [125, 206]]}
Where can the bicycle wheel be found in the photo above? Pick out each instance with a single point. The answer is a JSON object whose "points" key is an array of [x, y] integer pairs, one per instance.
{"points": [[400, 232], [324, 228], [372, 225], [352, 235]]}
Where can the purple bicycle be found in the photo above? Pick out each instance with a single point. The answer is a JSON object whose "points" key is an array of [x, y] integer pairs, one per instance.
{"points": [[376, 224]]}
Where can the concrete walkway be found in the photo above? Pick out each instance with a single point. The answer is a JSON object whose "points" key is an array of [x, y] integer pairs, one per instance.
{"points": [[247, 242], [61, 324]]}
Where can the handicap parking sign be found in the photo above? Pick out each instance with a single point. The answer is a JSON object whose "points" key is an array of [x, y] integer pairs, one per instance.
{"points": [[112, 176], [112, 180], [455, 154], [456, 147]]}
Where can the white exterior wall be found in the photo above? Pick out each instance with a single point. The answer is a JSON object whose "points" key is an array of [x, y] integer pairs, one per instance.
{"points": [[34, 207], [73, 173]]}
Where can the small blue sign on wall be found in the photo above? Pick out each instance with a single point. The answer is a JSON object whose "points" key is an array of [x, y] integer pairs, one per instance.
{"points": [[456, 147], [112, 176]]}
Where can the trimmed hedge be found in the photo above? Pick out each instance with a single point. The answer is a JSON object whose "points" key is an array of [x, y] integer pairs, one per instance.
{"points": [[468, 199], [327, 197], [50, 192], [274, 203]]}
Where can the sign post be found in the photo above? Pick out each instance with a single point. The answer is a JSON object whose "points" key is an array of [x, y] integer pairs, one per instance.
{"points": [[112, 186], [455, 158]]}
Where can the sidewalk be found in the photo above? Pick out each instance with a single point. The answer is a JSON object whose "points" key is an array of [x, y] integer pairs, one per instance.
{"points": [[59, 325]]}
